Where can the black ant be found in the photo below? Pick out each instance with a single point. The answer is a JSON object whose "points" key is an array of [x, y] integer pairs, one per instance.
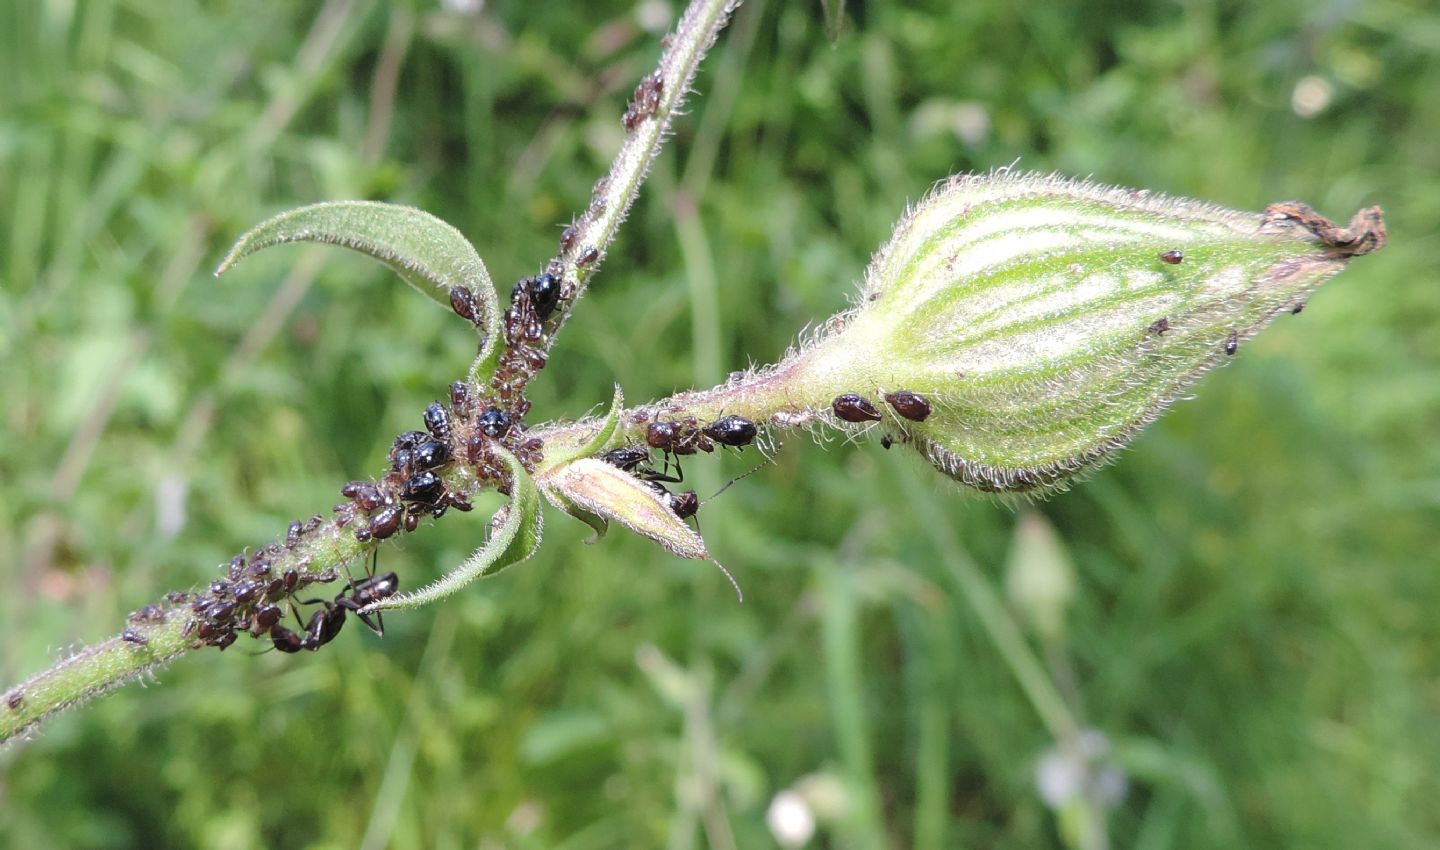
{"points": [[326, 623]]}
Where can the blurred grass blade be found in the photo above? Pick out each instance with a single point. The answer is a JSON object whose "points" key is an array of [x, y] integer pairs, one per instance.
{"points": [[514, 535], [834, 18], [429, 254]]}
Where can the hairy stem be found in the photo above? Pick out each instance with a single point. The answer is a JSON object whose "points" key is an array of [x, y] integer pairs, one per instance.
{"points": [[163, 634], [657, 100]]}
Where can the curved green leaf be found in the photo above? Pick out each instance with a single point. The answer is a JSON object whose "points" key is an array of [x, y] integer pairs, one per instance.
{"points": [[600, 442], [429, 254], [514, 536]]}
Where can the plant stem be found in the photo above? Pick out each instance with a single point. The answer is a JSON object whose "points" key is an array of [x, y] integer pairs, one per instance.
{"points": [[100, 668], [592, 233]]}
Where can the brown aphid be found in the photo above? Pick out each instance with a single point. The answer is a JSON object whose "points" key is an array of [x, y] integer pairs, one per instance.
{"points": [[1172, 257], [132, 636], [462, 301], [1232, 343], [1159, 326], [14, 700], [385, 523], [567, 239], [588, 256], [910, 405], [852, 408]]}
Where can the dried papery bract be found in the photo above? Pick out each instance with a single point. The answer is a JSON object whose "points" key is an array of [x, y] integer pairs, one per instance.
{"points": [[1044, 321]]}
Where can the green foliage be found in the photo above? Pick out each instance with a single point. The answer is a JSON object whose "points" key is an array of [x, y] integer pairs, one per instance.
{"points": [[1250, 626]]}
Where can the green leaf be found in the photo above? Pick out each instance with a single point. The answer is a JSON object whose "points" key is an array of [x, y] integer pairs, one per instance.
{"points": [[600, 442], [429, 254], [514, 536]]}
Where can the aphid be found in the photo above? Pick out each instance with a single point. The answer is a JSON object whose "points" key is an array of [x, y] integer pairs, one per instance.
{"points": [[247, 591], [132, 636], [1159, 326], [493, 423], [220, 611], [1172, 257], [177, 597], [437, 421], [14, 700], [148, 614], [589, 256], [462, 301], [223, 641], [909, 405], [366, 495], [1232, 343], [431, 454], [260, 569], [661, 435], [384, 524], [423, 487], [685, 505], [220, 588], [886, 442], [460, 399], [1295, 311], [731, 431], [292, 533], [267, 616], [544, 292], [237, 564], [853, 408]]}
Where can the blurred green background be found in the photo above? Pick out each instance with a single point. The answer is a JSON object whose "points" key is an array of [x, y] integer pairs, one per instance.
{"points": [[1251, 639]]}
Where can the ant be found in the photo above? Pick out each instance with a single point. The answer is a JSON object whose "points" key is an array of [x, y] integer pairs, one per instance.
{"points": [[326, 623]]}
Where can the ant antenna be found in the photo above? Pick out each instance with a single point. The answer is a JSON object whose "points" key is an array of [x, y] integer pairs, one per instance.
{"points": [[733, 583], [754, 469]]}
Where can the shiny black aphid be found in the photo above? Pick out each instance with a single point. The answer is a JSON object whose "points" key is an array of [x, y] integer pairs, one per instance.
{"points": [[423, 487], [853, 408], [437, 421], [494, 423], [731, 431], [544, 292], [1232, 343], [132, 636], [1172, 257], [912, 406], [430, 454]]}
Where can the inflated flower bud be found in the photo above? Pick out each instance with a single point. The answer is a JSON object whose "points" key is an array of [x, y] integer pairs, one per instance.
{"points": [[1018, 329]]}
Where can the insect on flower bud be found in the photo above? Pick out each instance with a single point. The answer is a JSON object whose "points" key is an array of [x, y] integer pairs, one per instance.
{"points": [[1043, 322]]}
